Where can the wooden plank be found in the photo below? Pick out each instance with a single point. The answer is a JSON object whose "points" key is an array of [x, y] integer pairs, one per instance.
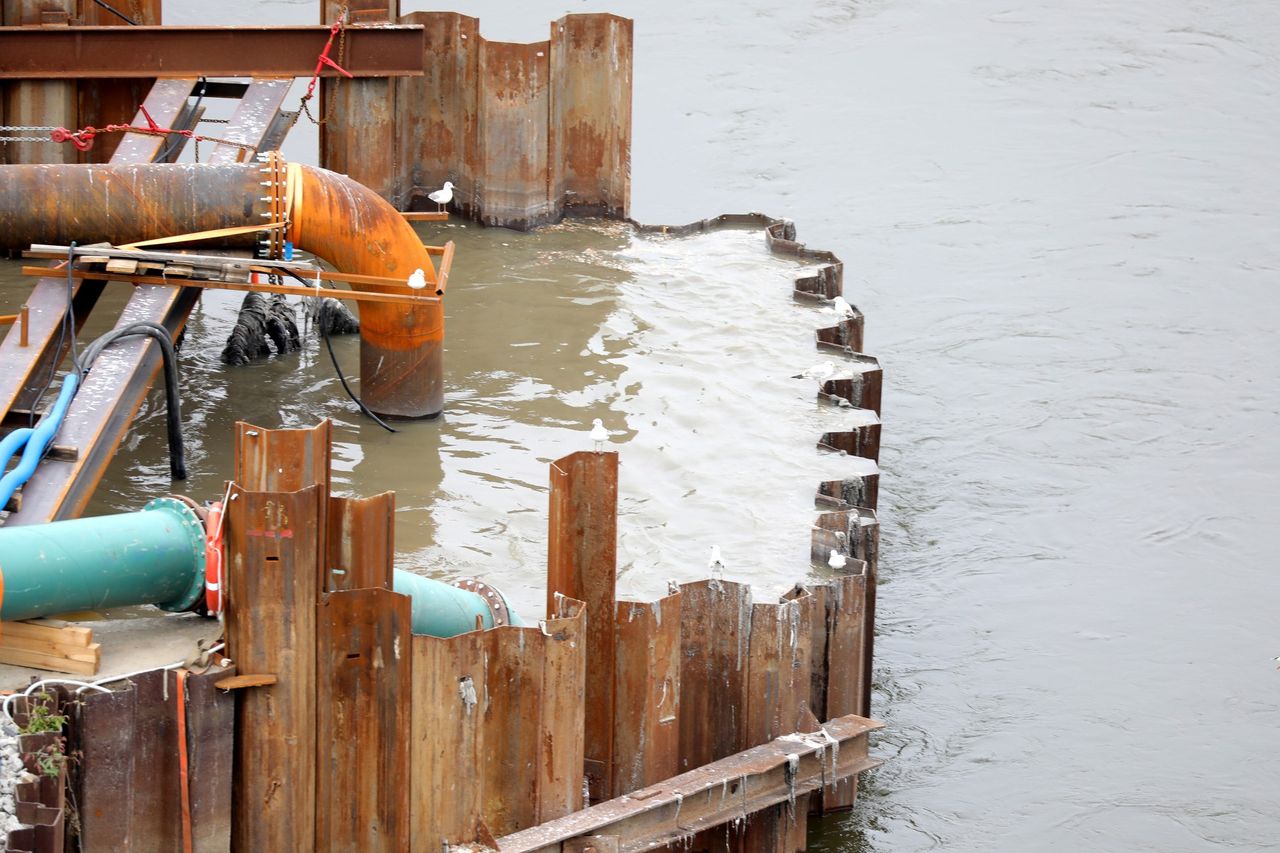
{"points": [[582, 564], [175, 271], [362, 701], [646, 744], [274, 541], [445, 738], [361, 551], [425, 215], [730, 789]]}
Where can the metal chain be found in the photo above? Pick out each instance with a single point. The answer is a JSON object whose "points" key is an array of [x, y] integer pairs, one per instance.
{"points": [[9, 128], [333, 88]]}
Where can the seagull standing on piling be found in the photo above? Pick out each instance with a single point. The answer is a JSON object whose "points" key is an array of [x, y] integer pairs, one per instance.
{"points": [[840, 305], [836, 560], [599, 434], [442, 196], [715, 565]]}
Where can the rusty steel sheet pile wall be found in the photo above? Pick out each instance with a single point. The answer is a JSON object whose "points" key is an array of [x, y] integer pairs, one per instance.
{"points": [[527, 133], [497, 729], [371, 737]]}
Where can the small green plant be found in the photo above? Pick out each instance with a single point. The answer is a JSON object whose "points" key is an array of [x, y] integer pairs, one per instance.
{"points": [[40, 716], [51, 759]]}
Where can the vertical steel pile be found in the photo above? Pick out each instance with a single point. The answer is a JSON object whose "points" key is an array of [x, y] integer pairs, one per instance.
{"points": [[526, 132]]}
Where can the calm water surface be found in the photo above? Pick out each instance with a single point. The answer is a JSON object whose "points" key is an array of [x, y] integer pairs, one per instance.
{"points": [[1060, 220]]}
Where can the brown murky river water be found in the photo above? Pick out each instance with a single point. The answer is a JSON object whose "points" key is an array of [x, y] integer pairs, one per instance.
{"points": [[1060, 221]]}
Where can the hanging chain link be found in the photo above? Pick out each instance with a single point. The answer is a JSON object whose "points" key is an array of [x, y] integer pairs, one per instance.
{"points": [[25, 128]]}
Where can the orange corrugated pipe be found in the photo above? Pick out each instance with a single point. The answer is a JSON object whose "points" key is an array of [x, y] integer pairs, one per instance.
{"points": [[330, 215]]}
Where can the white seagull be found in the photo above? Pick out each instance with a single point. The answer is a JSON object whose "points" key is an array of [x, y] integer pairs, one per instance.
{"points": [[599, 434], [840, 305], [836, 560], [715, 565], [417, 281], [821, 372], [442, 196]]}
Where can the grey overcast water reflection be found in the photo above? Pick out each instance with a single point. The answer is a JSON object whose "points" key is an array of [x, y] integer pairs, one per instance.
{"points": [[1060, 221]]}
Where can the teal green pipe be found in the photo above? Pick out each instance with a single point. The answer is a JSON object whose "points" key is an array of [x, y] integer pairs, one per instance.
{"points": [[443, 610], [155, 556]]}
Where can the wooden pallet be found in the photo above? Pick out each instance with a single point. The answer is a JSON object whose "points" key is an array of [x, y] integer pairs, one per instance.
{"points": [[50, 644]]}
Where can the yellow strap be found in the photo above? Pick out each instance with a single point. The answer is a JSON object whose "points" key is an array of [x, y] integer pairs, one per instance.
{"points": [[204, 235]]}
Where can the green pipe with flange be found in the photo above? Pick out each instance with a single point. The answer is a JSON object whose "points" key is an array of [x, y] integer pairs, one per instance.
{"points": [[156, 556]]}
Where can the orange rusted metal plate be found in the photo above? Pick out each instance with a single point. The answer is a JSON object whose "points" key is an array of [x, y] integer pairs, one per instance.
{"points": [[362, 712], [496, 733], [361, 552], [861, 441], [837, 686], [591, 69], [853, 491], [106, 731], [715, 620], [559, 766], [646, 742], [513, 106], [273, 545], [582, 564], [446, 740], [282, 460]]}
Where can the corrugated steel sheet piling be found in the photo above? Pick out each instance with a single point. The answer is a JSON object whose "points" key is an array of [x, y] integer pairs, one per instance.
{"points": [[527, 132]]}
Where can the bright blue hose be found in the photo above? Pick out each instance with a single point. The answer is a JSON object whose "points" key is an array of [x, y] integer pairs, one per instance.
{"points": [[12, 443], [38, 441]]}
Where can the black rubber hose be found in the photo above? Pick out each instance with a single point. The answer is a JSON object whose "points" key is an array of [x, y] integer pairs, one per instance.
{"points": [[173, 403], [338, 368]]}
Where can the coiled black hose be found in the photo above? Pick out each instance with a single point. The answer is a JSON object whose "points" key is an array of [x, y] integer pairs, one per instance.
{"points": [[173, 404]]}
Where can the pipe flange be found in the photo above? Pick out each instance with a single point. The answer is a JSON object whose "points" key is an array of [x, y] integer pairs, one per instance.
{"points": [[275, 169], [187, 518], [490, 596]]}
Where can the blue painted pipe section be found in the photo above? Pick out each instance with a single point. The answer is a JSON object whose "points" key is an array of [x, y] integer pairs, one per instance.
{"points": [[38, 441], [12, 443], [442, 610]]}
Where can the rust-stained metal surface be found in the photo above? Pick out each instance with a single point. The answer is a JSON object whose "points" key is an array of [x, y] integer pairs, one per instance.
{"points": [[362, 714], [646, 723], [128, 774], [496, 730], [282, 460], [361, 550], [526, 132], [71, 53], [838, 665], [590, 139], [582, 554], [733, 788], [273, 547], [255, 114]]}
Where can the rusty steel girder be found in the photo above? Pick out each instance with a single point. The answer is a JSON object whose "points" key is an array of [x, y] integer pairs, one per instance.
{"points": [[76, 53], [329, 215]]}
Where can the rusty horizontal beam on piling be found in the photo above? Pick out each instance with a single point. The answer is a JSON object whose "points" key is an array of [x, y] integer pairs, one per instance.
{"points": [[734, 787], [75, 53]]}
